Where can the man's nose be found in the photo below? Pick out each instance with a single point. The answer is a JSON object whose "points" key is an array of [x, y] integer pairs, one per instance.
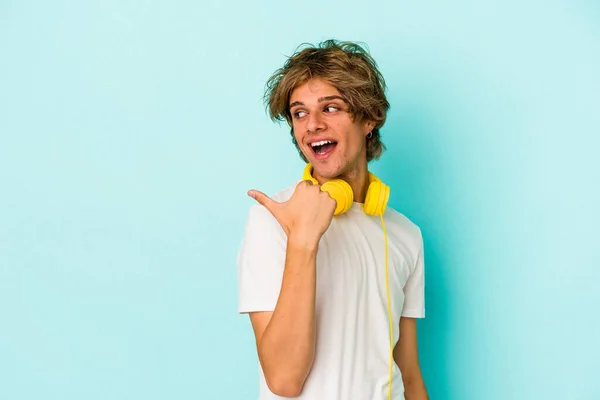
{"points": [[315, 122]]}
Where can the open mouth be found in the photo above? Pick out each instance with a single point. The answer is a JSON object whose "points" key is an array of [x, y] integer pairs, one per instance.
{"points": [[323, 147]]}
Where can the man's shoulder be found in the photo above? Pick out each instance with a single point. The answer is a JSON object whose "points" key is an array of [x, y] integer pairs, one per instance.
{"points": [[401, 225], [400, 218], [285, 193]]}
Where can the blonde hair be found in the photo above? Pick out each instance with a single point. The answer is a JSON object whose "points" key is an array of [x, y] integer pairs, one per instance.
{"points": [[345, 65]]}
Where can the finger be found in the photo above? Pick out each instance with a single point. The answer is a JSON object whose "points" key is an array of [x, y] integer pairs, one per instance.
{"points": [[305, 182], [264, 200], [311, 184]]}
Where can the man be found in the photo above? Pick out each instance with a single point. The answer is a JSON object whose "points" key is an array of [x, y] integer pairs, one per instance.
{"points": [[314, 280]]}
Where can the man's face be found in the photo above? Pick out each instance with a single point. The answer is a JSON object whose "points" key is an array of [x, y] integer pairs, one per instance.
{"points": [[326, 134]]}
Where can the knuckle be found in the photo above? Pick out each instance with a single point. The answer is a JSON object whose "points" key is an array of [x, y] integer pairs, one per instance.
{"points": [[302, 185]]}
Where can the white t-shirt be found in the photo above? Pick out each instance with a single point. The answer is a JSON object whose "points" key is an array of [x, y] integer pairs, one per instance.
{"points": [[352, 345]]}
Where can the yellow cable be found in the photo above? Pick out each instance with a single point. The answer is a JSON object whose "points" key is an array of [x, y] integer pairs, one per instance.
{"points": [[387, 287]]}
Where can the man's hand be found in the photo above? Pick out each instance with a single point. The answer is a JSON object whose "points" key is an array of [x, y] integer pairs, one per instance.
{"points": [[305, 216]]}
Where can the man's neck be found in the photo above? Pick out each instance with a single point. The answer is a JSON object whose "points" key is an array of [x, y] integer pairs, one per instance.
{"points": [[358, 179], [359, 182]]}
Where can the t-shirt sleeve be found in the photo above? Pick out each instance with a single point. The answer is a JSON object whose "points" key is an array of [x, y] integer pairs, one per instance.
{"points": [[260, 261], [414, 289]]}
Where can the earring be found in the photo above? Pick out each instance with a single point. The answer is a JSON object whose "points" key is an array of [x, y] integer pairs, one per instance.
{"points": [[370, 135]]}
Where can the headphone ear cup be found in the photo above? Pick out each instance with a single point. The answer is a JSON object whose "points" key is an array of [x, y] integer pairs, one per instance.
{"points": [[341, 192], [377, 198]]}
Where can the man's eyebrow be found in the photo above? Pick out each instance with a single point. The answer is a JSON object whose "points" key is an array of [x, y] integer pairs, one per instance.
{"points": [[332, 97], [321, 99]]}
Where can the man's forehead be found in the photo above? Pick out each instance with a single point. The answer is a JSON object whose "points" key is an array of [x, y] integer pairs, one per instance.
{"points": [[315, 89], [316, 85]]}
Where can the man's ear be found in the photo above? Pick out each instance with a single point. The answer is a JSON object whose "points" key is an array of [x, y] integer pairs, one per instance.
{"points": [[369, 126]]}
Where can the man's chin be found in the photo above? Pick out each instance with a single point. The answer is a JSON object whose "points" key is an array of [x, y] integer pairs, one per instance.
{"points": [[326, 172]]}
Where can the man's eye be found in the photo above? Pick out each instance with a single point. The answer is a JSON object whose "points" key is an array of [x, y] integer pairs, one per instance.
{"points": [[299, 114], [331, 108]]}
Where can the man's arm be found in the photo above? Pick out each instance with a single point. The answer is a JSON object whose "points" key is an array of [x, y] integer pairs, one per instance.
{"points": [[285, 338], [406, 356]]}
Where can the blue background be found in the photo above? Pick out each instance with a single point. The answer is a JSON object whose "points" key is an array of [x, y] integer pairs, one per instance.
{"points": [[130, 132]]}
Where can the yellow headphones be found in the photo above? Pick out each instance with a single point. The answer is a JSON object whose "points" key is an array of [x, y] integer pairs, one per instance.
{"points": [[376, 200]]}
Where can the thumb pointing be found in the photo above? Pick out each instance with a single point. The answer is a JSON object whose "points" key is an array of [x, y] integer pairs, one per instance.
{"points": [[264, 200]]}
